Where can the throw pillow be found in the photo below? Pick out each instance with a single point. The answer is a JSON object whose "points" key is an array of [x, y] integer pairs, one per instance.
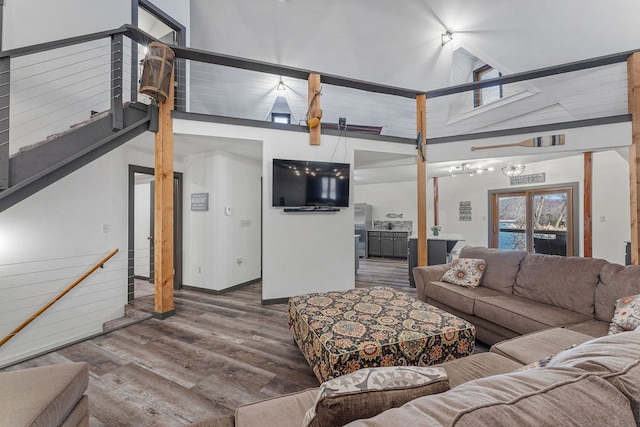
{"points": [[627, 315], [465, 272], [542, 362], [367, 392]]}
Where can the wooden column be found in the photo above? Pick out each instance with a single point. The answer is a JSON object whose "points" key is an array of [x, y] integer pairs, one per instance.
{"points": [[421, 120], [436, 202], [633, 76], [163, 233], [314, 105], [588, 196]]}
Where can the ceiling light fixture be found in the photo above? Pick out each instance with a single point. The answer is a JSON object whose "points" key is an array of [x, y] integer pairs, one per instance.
{"points": [[467, 169], [280, 85], [513, 170], [447, 36]]}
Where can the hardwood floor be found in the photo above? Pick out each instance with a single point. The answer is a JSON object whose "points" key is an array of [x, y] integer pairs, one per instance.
{"points": [[216, 353]]}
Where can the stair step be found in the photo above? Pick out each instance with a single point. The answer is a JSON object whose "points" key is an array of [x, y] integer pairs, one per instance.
{"points": [[131, 316]]}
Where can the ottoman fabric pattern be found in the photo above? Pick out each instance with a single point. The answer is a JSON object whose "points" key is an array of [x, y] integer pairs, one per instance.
{"points": [[343, 331]]}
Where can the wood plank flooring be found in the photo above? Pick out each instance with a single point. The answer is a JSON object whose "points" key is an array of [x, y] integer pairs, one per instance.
{"points": [[216, 353]]}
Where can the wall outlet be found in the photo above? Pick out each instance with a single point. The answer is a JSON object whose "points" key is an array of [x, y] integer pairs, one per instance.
{"points": [[105, 228], [239, 261], [602, 218], [199, 270]]}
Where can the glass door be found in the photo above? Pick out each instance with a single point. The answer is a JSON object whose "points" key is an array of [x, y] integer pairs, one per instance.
{"points": [[549, 222], [535, 220], [511, 221]]}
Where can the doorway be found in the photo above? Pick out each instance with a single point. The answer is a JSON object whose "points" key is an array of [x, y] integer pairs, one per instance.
{"points": [[141, 226], [538, 220]]}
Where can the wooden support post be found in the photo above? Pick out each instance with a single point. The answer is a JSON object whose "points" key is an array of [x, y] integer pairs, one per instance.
{"points": [[314, 108], [633, 76], [421, 161], [588, 196], [163, 233], [436, 202]]}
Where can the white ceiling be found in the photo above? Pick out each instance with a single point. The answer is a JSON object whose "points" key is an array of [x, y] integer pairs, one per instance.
{"points": [[398, 44]]}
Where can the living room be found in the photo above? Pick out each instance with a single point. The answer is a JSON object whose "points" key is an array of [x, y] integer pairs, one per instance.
{"points": [[296, 254]]}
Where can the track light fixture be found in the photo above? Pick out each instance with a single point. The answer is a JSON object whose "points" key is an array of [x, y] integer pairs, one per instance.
{"points": [[447, 36], [467, 169], [513, 170], [280, 85]]}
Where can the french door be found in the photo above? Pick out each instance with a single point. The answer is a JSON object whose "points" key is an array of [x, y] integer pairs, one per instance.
{"points": [[536, 220]]}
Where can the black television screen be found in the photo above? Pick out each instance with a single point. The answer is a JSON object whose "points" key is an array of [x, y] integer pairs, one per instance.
{"points": [[300, 183]]}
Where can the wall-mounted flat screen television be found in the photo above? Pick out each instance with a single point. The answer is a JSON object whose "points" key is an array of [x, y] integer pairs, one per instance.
{"points": [[301, 183]]}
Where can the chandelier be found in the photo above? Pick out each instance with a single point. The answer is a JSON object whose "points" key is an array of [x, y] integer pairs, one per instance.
{"points": [[513, 170], [467, 169]]}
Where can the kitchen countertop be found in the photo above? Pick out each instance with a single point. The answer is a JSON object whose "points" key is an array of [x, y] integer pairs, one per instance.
{"points": [[441, 236]]}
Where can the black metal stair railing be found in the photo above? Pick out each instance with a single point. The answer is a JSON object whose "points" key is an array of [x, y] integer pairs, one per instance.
{"points": [[37, 162]]}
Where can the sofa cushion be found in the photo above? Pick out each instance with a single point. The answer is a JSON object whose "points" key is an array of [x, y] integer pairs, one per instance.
{"points": [[613, 357], [42, 396], [458, 297], [476, 366], [595, 328], [465, 272], [502, 266], [369, 391], [627, 315], [616, 282], [565, 282], [541, 397], [530, 348], [523, 315], [283, 411]]}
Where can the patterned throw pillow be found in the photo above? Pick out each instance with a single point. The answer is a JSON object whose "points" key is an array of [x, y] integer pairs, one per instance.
{"points": [[370, 391], [542, 362], [627, 315], [465, 272]]}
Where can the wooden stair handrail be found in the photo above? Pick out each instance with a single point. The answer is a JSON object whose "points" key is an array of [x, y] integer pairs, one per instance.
{"points": [[60, 295]]}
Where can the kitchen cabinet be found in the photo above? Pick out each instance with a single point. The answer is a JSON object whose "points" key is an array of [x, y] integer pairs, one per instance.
{"points": [[400, 244], [388, 243], [374, 244]]}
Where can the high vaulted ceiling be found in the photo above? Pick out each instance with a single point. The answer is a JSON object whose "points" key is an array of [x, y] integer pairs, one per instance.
{"points": [[398, 43]]}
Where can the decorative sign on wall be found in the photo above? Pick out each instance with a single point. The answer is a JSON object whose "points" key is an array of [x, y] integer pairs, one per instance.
{"points": [[464, 211], [199, 201], [534, 178]]}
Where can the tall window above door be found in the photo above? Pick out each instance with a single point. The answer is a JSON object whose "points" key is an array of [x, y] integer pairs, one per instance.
{"points": [[486, 95]]}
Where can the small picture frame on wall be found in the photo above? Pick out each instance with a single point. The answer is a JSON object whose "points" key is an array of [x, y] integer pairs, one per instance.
{"points": [[199, 201]]}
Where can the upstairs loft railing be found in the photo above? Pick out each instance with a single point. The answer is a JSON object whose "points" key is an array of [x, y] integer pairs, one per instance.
{"points": [[47, 88]]}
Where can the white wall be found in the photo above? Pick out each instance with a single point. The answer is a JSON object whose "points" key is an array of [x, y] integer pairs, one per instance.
{"points": [[27, 22], [52, 238], [222, 250], [610, 172], [394, 197], [302, 253], [610, 203]]}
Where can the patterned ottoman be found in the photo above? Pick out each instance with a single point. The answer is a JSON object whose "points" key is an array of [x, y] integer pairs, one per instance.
{"points": [[341, 332]]}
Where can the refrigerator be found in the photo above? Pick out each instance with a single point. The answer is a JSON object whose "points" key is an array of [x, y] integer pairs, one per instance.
{"points": [[363, 222]]}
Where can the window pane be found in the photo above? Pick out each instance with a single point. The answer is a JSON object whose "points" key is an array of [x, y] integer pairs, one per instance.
{"points": [[489, 94], [512, 220], [549, 214]]}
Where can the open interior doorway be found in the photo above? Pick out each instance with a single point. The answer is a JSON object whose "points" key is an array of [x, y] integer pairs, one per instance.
{"points": [[141, 226]]}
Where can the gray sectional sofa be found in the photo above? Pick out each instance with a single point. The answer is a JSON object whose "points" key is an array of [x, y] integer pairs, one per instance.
{"points": [[595, 383], [46, 396], [520, 293]]}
